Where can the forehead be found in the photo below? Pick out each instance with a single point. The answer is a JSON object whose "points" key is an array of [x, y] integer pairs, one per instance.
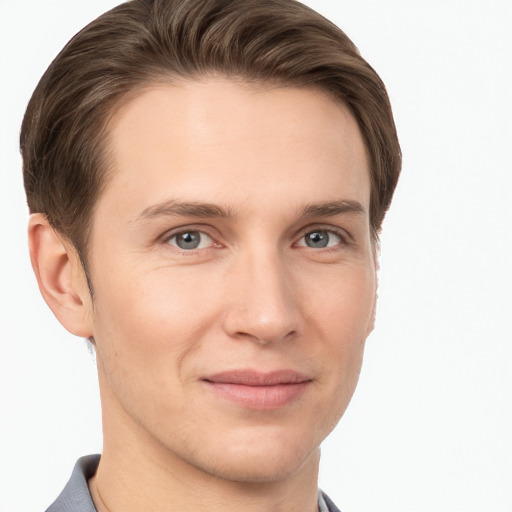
{"points": [[218, 139]]}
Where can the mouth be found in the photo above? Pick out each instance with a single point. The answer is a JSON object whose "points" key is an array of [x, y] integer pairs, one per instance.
{"points": [[259, 390]]}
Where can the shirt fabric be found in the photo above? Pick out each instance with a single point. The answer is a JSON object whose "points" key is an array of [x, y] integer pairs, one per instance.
{"points": [[76, 496]]}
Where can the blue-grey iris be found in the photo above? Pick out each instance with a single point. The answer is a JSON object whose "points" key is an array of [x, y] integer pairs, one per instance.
{"points": [[317, 239], [188, 240]]}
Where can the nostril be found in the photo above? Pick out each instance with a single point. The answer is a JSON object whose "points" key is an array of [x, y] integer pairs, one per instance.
{"points": [[265, 337]]}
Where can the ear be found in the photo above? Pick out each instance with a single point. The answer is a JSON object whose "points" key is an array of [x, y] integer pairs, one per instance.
{"points": [[60, 276]]}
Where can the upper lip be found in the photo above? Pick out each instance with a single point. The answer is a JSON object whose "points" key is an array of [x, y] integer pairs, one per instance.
{"points": [[257, 378]]}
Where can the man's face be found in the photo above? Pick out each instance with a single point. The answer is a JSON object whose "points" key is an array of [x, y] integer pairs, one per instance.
{"points": [[234, 275]]}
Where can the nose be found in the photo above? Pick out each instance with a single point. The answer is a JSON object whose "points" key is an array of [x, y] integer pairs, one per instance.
{"points": [[262, 300]]}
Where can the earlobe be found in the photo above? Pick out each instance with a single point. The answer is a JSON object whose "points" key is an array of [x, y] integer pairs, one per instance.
{"points": [[60, 276]]}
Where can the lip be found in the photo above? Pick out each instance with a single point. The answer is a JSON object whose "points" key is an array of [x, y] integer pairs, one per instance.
{"points": [[259, 390]]}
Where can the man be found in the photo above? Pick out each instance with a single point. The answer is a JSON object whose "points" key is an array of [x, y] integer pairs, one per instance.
{"points": [[207, 180]]}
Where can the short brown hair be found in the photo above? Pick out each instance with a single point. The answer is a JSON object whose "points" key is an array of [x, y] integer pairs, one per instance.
{"points": [[64, 132]]}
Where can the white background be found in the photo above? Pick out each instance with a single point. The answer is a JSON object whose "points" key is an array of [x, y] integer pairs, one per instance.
{"points": [[430, 427]]}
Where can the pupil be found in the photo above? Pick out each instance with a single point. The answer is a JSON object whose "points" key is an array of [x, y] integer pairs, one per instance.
{"points": [[188, 240], [317, 239]]}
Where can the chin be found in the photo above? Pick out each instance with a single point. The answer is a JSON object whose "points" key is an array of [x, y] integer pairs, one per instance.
{"points": [[250, 470], [257, 461]]}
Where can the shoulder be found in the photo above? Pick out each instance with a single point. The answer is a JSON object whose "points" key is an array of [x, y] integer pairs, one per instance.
{"points": [[76, 497], [325, 504]]}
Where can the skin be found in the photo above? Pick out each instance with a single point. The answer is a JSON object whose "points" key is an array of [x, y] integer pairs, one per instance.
{"points": [[253, 295]]}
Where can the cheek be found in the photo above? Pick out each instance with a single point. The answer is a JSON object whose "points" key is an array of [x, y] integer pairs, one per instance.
{"points": [[151, 308], [144, 326], [343, 316], [344, 303], [149, 325]]}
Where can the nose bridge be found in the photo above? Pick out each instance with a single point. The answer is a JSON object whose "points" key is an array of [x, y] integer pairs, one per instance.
{"points": [[263, 304]]}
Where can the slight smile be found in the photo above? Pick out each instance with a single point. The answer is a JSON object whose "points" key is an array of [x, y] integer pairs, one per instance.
{"points": [[259, 390]]}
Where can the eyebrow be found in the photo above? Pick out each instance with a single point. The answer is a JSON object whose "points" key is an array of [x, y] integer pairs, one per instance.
{"points": [[201, 210], [332, 208], [189, 208]]}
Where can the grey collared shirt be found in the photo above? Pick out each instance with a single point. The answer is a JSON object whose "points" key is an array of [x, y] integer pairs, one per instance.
{"points": [[76, 496]]}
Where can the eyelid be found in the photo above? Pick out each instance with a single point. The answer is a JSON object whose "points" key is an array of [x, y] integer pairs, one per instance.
{"points": [[205, 240], [345, 236], [198, 228]]}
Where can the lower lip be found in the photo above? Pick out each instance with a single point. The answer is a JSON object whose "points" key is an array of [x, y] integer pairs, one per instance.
{"points": [[259, 397]]}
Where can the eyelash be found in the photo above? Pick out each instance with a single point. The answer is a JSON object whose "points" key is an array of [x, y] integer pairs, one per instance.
{"points": [[173, 235], [341, 234]]}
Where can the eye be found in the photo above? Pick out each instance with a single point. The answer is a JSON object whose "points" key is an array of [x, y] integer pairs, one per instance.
{"points": [[190, 240], [320, 239]]}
